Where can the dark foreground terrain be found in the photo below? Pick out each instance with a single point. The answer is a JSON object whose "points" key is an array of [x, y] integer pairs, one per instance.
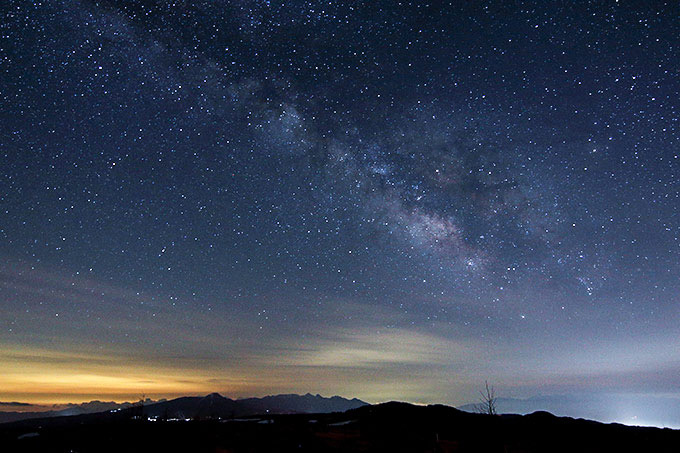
{"points": [[393, 427]]}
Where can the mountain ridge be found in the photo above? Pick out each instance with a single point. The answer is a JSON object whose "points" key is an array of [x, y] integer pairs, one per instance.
{"points": [[391, 426], [633, 410], [211, 405]]}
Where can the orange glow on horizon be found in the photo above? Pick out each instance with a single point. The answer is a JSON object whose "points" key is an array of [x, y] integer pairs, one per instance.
{"points": [[45, 377]]}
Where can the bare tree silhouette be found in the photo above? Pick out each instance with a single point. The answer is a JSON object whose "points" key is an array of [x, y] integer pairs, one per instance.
{"points": [[487, 402], [137, 409]]}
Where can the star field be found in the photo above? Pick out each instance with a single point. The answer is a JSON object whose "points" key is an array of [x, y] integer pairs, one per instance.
{"points": [[379, 199]]}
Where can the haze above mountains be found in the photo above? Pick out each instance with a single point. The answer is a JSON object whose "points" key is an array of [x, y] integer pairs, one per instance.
{"points": [[635, 410]]}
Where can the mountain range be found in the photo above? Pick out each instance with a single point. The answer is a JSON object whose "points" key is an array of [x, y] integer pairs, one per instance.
{"points": [[387, 427], [213, 405]]}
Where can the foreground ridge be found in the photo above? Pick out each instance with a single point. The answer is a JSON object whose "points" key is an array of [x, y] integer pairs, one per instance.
{"points": [[392, 426]]}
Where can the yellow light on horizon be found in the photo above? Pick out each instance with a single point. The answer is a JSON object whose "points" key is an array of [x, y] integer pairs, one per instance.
{"points": [[54, 377]]}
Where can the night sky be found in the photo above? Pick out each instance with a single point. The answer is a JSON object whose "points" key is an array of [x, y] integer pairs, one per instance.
{"points": [[375, 199]]}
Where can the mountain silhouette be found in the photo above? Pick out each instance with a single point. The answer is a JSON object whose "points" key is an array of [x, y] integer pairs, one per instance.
{"points": [[388, 427], [70, 409], [213, 405], [627, 409], [218, 406]]}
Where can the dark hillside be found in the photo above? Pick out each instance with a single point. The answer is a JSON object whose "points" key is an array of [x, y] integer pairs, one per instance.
{"points": [[389, 427]]}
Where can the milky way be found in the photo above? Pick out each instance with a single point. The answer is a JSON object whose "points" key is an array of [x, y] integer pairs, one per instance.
{"points": [[378, 199]]}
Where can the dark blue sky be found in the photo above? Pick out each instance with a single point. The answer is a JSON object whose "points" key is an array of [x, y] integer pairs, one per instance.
{"points": [[379, 199]]}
